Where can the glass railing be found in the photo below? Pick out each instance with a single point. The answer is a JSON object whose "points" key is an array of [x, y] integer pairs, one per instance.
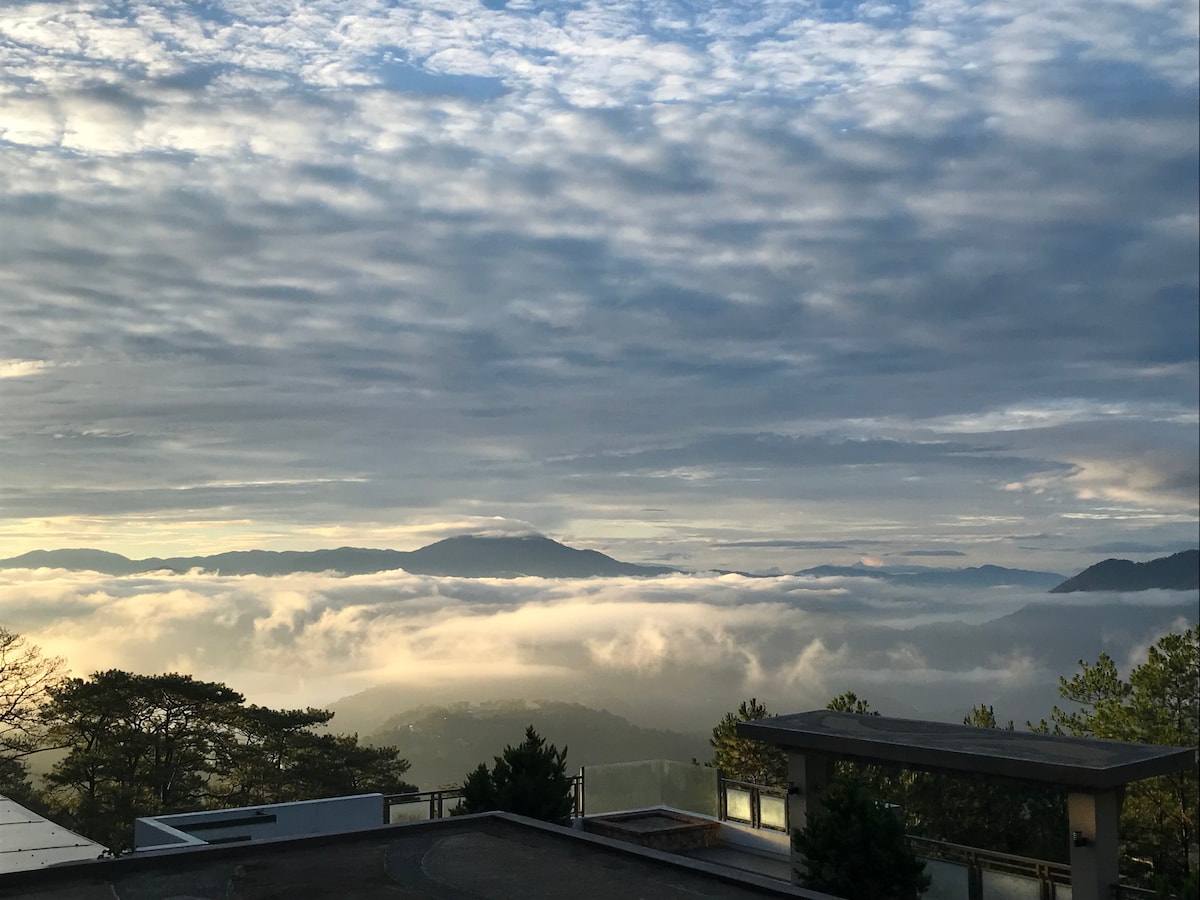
{"points": [[420, 806], [968, 872], [960, 872], [616, 787], [597, 789]]}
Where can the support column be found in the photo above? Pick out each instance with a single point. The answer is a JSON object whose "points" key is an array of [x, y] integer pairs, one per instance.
{"points": [[1094, 857], [808, 776]]}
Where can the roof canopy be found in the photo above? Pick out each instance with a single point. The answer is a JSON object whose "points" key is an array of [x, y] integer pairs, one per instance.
{"points": [[1070, 762]]}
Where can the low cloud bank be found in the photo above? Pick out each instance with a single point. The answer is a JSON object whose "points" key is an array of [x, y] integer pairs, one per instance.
{"points": [[672, 652]]}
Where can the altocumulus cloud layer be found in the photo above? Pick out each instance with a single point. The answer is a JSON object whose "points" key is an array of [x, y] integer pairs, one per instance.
{"points": [[674, 651], [653, 276]]}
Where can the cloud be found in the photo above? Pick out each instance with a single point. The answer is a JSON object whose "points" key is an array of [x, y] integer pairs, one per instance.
{"points": [[21, 368], [1153, 484], [1128, 547], [675, 650], [783, 272], [798, 545], [769, 450]]}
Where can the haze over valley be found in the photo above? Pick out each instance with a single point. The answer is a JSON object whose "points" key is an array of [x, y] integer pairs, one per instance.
{"points": [[672, 650]]}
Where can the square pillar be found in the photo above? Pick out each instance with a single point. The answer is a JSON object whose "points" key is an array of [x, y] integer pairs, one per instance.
{"points": [[1093, 833], [808, 776]]}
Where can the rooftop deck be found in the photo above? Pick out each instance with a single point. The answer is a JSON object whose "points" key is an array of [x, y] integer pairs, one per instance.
{"points": [[493, 856]]}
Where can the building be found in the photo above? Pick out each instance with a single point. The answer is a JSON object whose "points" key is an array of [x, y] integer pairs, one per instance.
{"points": [[491, 856], [655, 829], [29, 841], [1092, 772]]}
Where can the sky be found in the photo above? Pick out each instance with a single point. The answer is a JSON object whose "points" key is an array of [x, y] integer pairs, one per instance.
{"points": [[757, 285]]}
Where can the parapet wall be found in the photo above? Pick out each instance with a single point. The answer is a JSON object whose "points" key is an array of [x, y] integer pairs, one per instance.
{"points": [[251, 823]]}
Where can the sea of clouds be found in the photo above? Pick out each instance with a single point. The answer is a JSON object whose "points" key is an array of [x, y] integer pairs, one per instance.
{"points": [[673, 652]]}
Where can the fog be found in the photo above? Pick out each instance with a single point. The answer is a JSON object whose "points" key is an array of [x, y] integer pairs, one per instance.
{"points": [[670, 652]]}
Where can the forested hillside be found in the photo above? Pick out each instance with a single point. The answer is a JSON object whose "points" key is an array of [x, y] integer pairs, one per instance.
{"points": [[1178, 572], [444, 742]]}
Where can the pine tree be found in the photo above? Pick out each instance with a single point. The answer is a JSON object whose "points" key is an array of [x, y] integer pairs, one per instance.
{"points": [[743, 759], [529, 780], [850, 702], [855, 848], [1159, 704]]}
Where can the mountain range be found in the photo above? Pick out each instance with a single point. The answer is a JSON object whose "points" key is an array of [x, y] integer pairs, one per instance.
{"points": [[974, 576], [1178, 572], [473, 556], [467, 556]]}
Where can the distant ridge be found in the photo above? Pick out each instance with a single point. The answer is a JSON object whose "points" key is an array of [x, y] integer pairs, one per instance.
{"points": [[975, 576], [475, 556], [1178, 572], [76, 560], [465, 557]]}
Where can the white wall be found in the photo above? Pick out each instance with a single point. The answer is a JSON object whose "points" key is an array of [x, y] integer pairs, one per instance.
{"points": [[329, 816]]}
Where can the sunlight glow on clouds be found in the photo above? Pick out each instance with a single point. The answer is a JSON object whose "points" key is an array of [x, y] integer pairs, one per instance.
{"points": [[342, 268], [21, 368], [677, 649]]}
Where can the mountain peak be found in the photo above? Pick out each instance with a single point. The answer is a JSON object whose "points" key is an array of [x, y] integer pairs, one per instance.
{"points": [[507, 556]]}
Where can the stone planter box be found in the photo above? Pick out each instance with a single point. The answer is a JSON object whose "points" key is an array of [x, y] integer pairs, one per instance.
{"points": [[658, 829]]}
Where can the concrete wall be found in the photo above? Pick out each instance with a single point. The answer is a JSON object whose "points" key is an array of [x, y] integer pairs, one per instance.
{"points": [[756, 840], [275, 820], [151, 834]]}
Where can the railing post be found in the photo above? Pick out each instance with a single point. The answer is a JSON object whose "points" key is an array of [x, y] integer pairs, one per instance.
{"points": [[974, 881]]}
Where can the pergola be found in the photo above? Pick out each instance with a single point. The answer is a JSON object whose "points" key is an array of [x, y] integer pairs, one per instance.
{"points": [[1092, 772]]}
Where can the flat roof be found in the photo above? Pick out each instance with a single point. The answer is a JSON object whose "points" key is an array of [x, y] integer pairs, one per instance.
{"points": [[491, 856], [1070, 762]]}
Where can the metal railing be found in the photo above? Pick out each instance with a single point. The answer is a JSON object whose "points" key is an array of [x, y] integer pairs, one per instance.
{"points": [[437, 800], [444, 801], [1050, 876], [1129, 892], [742, 802], [765, 807]]}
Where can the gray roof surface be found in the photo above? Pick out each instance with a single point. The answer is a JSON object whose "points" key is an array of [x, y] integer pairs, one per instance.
{"points": [[29, 841], [1071, 762], [487, 857]]}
